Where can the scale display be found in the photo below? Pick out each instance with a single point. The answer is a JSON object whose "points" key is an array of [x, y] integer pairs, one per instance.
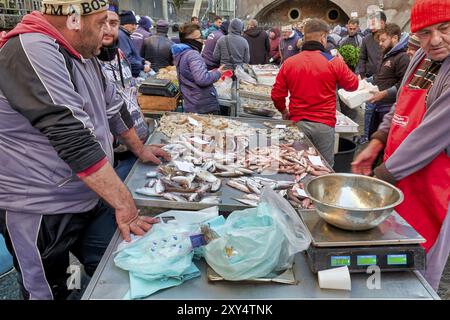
{"points": [[397, 260], [366, 260], [340, 261]]}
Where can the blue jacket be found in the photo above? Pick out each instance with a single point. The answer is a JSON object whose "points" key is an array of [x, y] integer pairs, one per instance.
{"points": [[196, 82], [131, 54]]}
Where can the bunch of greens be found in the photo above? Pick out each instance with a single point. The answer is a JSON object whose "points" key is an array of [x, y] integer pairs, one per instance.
{"points": [[350, 55]]}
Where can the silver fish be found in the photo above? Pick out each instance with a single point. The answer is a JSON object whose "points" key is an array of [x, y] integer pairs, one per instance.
{"points": [[253, 186], [159, 187], [151, 183], [248, 202], [148, 192], [280, 185], [194, 197], [211, 200], [183, 181], [230, 174], [215, 186], [152, 174], [205, 176], [239, 186], [173, 197], [251, 196]]}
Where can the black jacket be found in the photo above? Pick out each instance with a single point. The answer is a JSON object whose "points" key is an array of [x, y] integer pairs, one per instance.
{"points": [[157, 50], [370, 56], [259, 44]]}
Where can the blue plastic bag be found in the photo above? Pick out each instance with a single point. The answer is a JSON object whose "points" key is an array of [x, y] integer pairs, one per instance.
{"points": [[160, 259], [257, 241]]}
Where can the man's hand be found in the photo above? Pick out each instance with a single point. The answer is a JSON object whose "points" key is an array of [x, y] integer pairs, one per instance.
{"points": [[285, 114], [129, 221], [378, 96], [150, 153], [364, 161]]}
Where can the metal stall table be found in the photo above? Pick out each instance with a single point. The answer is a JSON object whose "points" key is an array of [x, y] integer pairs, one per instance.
{"points": [[111, 282]]}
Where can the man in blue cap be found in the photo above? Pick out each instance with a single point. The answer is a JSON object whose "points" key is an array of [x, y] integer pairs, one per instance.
{"points": [[139, 67]]}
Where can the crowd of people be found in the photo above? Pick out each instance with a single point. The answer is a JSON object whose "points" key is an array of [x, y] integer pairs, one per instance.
{"points": [[72, 128]]}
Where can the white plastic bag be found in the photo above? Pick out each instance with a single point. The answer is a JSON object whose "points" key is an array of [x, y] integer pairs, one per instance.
{"points": [[223, 88], [244, 76]]}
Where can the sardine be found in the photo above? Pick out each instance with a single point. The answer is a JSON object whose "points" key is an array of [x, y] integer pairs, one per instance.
{"points": [[159, 187], [211, 200], [251, 196], [148, 192], [239, 186], [253, 186], [248, 202], [173, 197], [230, 174], [205, 175]]}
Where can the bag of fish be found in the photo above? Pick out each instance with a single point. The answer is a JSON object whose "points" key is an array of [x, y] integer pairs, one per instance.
{"points": [[256, 242]]}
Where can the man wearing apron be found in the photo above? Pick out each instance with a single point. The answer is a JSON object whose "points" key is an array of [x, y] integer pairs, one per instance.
{"points": [[416, 136]]}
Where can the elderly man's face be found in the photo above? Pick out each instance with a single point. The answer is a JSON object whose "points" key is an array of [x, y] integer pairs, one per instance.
{"points": [[435, 41], [91, 34]]}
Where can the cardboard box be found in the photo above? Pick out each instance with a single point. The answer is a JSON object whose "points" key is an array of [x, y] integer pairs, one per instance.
{"points": [[158, 103]]}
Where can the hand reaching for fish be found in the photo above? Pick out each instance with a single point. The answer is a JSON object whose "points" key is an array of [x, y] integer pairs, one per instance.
{"points": [[150, 153]]}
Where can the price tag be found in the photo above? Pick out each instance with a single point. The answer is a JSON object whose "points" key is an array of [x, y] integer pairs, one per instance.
{"points": [[280, 126], [193, 121], [316, 160], [184, 166]]}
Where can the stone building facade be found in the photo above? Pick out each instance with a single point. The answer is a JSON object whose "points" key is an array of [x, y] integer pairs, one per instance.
{"points": [[280, 12]]}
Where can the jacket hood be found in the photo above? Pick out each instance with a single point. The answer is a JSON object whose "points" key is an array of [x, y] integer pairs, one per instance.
{"points": [[36, 23], [178, 50], [401, 46], [254, 32], [236, 26]]}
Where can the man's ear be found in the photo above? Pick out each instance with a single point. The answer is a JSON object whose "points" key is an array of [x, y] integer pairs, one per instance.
{"points": [[73, 22]]}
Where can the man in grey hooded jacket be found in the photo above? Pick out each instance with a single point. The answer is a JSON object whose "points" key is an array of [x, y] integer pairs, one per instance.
{"points": [[232, 50], [57, 119]]}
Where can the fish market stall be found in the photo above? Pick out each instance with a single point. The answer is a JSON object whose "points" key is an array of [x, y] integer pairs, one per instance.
{"points": [[111, 282], [225, 161]]}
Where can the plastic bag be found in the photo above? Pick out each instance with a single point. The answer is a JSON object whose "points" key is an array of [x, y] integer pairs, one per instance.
{"points": [[244, 76], [257, 241], [223, 88]]}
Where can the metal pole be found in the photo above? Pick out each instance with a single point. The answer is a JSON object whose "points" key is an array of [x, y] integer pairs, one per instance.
{"points": [[165, 10]]}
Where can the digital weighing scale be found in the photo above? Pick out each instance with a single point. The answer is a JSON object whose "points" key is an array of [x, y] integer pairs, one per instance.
{"points": [[392, 246]]}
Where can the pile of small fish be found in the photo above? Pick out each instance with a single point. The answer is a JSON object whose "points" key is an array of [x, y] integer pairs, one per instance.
{"points": [[258, 89], [260, 108], [285, 159], [173, 184], [252, 187], [174, 125], [288, 133]]}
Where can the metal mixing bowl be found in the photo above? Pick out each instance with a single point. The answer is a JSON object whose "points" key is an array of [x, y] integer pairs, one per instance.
{"points": [[353, 202]]}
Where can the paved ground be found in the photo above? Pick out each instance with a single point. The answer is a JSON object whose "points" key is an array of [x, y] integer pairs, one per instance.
{"points": [[9, 289]]}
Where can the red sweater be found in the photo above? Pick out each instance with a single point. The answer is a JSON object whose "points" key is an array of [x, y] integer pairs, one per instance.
{"points": [[311, 78]]}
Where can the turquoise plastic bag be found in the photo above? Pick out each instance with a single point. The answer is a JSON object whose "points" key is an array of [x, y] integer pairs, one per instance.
{"points": [[160, 259], [249, 247], [255, 242]]}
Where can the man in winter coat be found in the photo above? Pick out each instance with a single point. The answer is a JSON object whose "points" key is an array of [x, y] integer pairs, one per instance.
{"points": [[210, 45], [370, 54], [143, 32], [214, 27], [290, 43], [416, 138], [353, 38], [390, 74], [258, 42], [117, 70], [196, 82], [157, 48], [274, 38], [232, 50], [127, 27], [311, 78]]}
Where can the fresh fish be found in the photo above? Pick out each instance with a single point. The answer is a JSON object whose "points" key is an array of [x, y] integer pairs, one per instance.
{"points": [[280, 185], [239, 186], [230, 174], [248, 202], [148, 192], [159, 187], [185, 182], [209, 165], [173, 197], [205, 188], [253, 186], [151, 183], [195, 197], [251, 196], [205, 175], [211, 200], [244, 170], [215, 186], [152, 174]]}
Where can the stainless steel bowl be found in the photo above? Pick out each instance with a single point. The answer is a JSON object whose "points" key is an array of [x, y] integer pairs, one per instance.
{"points": [[353, 202]]}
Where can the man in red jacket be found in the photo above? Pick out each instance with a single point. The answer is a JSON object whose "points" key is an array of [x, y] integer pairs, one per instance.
{"points": [[311, 78]]}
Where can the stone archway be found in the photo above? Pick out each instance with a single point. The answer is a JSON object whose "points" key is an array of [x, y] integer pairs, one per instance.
{"points": [[282, 12]]}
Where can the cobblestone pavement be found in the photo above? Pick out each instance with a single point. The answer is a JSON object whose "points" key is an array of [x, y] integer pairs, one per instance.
{"points": [[9, 290]]}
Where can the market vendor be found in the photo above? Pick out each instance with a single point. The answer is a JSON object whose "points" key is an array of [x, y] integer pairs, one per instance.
{"points": [[416, 134], [311, 78], [57, 117]]}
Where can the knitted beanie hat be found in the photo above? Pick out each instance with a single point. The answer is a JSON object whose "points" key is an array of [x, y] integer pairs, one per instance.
{"points": [[426, 13]]}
